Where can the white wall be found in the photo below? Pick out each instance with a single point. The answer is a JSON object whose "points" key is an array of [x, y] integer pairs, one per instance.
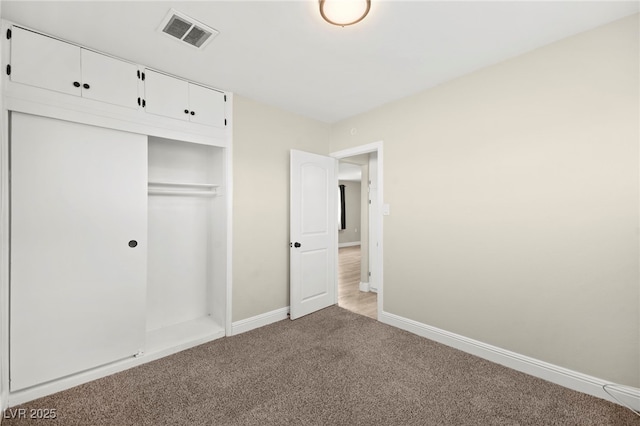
{"points": [[514, 203], [262, 139], [352, 206]]}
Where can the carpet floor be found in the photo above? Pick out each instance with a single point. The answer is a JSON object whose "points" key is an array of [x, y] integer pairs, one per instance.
{"points": [[332, 367]]}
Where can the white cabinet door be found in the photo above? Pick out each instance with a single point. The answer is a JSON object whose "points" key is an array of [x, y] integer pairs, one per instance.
{"points": [[77, 286], [166, 96], [44, 62], [206, 105], [175, 98], [109, 80]]}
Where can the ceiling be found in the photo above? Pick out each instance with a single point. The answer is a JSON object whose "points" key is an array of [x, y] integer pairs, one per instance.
{"points": [[348, 171], [283, 54]]}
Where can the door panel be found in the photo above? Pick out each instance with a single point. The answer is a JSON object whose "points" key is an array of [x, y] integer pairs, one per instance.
{"points": [[313, 228], [77, 288], [314, 273], [44, 62], [207, 106], [110, 80], [166, 96]]}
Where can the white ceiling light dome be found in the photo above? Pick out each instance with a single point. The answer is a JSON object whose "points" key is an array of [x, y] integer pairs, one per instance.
{"points": [[344, 12]]}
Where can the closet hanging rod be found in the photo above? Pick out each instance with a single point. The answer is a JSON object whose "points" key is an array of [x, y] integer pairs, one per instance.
{"points": [[182, 193], [155, 184]]}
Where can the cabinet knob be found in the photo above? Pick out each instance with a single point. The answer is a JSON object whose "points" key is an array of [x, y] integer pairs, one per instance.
{"points": [[133, 243], [86, 86], [193, 113], [76, 84], [186, 111]]}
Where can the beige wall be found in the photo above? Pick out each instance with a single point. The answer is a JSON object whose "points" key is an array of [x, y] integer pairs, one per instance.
{"points": [[514, 203], [262, 138], [352, 206]]}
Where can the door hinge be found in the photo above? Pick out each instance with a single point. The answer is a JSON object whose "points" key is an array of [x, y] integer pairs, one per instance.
{"points": [[142, 102], [225, 121], [369, 273], [142, 75], [138, 71], [369, 201], [8, 69], [8, 33], [225, 98], [139, 101]]}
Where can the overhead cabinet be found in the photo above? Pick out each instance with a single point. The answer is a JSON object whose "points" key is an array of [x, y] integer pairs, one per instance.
{"points": [[182, 100], [45, 62]]}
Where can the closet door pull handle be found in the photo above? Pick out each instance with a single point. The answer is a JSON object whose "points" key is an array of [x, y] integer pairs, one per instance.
{"points": [[76, 84], [193, 113], [186, 111], [133, 243], [86, 86], [297, 245]]}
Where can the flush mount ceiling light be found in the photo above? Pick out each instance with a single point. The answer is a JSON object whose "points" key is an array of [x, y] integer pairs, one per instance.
{"points": [[344, 12], [184, 28]]}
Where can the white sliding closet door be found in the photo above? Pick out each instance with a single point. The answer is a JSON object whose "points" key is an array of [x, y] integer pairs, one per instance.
{"points": [[78, 204]]}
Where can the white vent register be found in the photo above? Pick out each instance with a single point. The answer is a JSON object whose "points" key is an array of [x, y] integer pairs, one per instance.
{"points": [[186, 29]]}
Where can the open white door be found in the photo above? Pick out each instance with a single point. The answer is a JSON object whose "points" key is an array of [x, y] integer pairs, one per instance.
{"points": [[313, 233]]}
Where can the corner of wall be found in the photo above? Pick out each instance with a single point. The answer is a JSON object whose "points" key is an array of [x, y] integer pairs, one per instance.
{"points": [[626, 396]]}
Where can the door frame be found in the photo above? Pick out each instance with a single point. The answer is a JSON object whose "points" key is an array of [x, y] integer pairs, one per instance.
{"points": [[376, 147]]}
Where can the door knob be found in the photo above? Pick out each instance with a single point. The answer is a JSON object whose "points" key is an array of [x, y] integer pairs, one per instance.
{"points": [[296, 245], [76, 84], [86, 86], [133, 243]]}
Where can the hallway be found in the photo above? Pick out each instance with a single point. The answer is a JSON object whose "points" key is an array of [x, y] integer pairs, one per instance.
{"points": [[349, 295]]}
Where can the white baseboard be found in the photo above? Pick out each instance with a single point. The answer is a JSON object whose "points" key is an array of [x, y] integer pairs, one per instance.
{"points": [[258, 321], [353, 243], [364, 287], [623, 395]]}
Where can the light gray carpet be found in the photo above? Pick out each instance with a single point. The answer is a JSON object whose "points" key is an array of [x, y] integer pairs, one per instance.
{"points": [[330, 368]]}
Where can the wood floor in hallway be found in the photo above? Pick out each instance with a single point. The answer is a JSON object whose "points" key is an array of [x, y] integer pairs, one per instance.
{"points": [[349, 295]]}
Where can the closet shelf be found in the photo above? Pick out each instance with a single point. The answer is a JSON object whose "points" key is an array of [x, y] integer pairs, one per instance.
{"points": [[183, 188]]}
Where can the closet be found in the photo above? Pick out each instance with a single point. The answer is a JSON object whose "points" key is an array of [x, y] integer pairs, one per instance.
{"points": [[187, 240], [117, 226]]}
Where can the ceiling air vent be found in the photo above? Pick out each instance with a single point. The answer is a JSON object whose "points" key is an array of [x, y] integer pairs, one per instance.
{"points": [[181, 27]]}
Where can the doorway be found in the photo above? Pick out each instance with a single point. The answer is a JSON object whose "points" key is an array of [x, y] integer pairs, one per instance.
{"points": [[359, 260]]}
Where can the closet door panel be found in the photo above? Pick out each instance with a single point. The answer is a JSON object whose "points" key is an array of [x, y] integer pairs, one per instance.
{"points": [[166, 96], [77, 290], [44, 62], [207, 105], [109, 80]]}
